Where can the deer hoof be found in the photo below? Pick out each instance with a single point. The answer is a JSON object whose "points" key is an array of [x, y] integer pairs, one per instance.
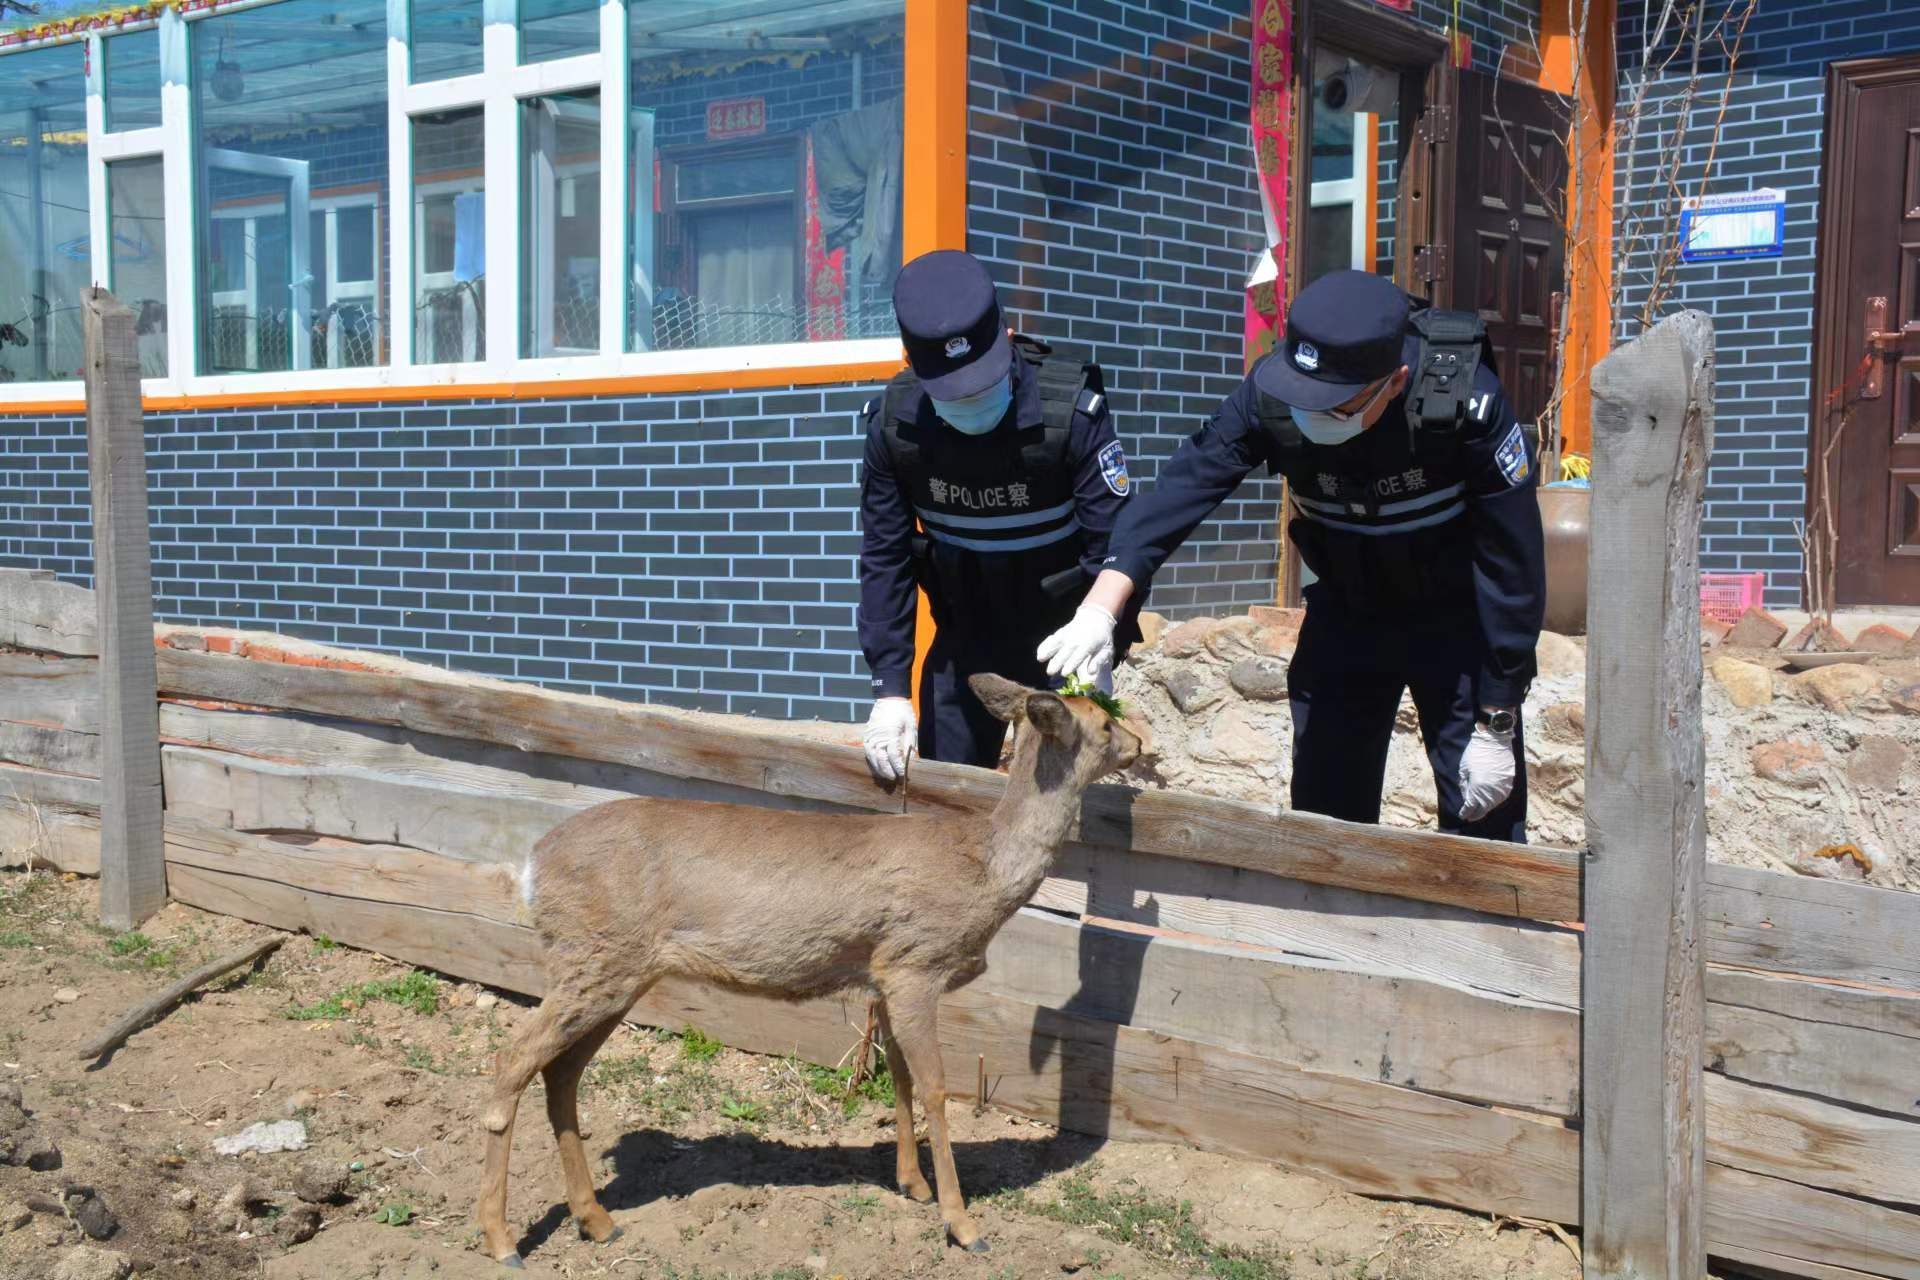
{"points": [[612, 1234], [978, 1245], [513, 1262], [919, 1192]]}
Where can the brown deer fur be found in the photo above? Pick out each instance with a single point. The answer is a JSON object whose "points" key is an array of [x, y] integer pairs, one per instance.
{"points": [[792, 906]]}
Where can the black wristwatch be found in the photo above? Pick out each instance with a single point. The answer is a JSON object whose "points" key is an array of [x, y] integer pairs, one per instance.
{"points": [[1498, 719]]}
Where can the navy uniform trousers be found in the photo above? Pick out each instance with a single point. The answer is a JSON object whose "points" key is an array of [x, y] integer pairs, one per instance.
{"points": [[953, 724], [1344, 687]]}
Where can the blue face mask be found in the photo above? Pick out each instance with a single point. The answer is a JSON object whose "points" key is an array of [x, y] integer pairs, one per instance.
{"points": [[1333, 428], [977, 414]]}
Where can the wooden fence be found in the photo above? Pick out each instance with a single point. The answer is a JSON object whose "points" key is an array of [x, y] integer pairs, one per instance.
{"points": [[1397, 1012]]}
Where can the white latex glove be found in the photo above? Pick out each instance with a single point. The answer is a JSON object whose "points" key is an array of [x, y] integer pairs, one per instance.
{"points": [[1103, 675], [1486, 773], [1082, 647], [892, 731]]}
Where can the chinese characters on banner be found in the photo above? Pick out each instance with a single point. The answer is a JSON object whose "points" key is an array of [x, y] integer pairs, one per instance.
{"points": [[736, 118], [1272, 119]]}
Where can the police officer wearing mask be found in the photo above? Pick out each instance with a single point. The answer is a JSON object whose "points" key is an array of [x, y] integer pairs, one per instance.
{"points": [[1006, 458], [1414, 506]]}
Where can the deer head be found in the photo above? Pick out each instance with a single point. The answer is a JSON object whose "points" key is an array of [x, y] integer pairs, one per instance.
{"points": [[1072, 742]]}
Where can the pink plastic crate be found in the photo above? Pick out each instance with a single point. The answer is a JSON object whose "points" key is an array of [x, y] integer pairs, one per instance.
{"points": [[1726, 597]]}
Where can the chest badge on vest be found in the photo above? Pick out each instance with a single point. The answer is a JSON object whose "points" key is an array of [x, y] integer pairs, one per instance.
{"points": [[1113, 470], [1512, 457]]}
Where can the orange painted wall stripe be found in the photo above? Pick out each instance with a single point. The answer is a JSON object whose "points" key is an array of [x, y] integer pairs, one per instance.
{"points": [[935, 176], [1589, 264], [644, 384]]}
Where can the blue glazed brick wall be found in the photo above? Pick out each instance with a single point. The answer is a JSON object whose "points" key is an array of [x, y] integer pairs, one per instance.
{"points": [[1112, 198], [1762, 309], [697, 551]]}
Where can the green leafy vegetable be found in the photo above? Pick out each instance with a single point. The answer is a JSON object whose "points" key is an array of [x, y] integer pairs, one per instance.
{"points": [[1075, 687]]}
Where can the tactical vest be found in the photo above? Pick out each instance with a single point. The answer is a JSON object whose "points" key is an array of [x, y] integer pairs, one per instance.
{"points": [[1353, 504], [1008, 491]]}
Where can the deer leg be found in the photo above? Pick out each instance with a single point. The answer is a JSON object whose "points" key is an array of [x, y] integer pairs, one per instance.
{"points": [[916, 1019], [906, 1161], [563, 1110], [567, 1014]]}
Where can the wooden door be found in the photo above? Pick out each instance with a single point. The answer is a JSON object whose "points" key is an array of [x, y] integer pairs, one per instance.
{"points": [[1509, 255], [1867, 396]]}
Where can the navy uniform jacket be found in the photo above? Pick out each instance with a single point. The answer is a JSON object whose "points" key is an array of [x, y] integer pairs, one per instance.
{"points": [[994, 533], [1390, 530]]}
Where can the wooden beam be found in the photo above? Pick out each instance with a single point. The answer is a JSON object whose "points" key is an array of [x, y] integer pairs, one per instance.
{"points": [[1327, 1017], [1496, 878], [40, 746], [1819, 928], [133, 871], [1644, 1132], [43, 613], [1856, 1047], [1813, 1142], [60, 693], [1750, 1213]]}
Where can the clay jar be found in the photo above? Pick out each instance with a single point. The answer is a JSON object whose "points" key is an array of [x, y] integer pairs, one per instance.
{"points": [[1566, 516]]}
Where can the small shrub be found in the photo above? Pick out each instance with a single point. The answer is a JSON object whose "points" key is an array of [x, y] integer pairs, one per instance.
{"points": [[698, 1046]]}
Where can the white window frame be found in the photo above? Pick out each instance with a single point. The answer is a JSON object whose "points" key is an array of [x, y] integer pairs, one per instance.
{"points": [[1352, 192], [498, 90], [469, 311]]}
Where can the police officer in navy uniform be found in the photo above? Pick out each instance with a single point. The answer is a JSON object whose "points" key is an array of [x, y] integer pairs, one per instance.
{"points": [[1414, 506], [1005, 459]]}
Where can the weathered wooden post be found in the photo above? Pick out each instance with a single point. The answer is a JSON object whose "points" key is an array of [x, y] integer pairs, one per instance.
{"points": [[133, 873], [1643, 1142]]}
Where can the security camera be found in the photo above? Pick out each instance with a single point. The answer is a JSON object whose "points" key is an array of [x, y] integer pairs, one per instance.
{"points": [[1359, 87]]}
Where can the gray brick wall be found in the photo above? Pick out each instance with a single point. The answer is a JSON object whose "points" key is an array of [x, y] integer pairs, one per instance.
{"points": [[1763, 308]]}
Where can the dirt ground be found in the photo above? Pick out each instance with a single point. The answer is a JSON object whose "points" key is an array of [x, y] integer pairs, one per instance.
{"points": [[717, 1164]]}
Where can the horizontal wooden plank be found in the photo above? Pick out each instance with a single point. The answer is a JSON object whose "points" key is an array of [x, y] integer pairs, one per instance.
{"points": [[1749, 1212], [1500, 879], [40, 746], [370, 872], [1855, 1047], [1812, 1141], [33, 836], [1481, 875], [676, 743], [63, 792], [40, 612], [1335, 1018], [1774, 1264], [61, 692], [395, 753], [226, 790], [1820, 928], [1373, 931]]}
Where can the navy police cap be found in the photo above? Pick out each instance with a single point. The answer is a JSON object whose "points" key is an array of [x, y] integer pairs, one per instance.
{"points": [[1345, 331], [950, 324]]}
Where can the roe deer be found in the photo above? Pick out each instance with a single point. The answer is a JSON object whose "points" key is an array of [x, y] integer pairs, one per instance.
{"points": [[792, 905]]}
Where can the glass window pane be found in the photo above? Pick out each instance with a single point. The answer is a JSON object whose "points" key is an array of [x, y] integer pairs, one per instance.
{"points": [[446, 39], [44, 238], [450, 237], [291, 150], [560, 224], [558, 28], [137, 270], [132, 79], [777, 152]]}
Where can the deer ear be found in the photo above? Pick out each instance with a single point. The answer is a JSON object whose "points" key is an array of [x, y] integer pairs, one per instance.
{"points": [[1003, 699], [1047, 713]]}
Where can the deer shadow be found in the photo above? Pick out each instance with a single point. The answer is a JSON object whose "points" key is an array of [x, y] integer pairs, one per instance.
{"points": [[656, 1164]]}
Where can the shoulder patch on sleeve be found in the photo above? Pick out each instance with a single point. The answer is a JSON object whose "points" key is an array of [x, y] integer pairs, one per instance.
{"points": [[1481, 407], [1511, 457], [1113, 469]]}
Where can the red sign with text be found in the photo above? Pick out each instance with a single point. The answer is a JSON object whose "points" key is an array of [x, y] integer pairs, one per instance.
{"points": [[736, 118]]}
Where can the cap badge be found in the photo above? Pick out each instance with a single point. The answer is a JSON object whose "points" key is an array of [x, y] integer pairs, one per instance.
{"points": [[957, 347], [1307, 356]]}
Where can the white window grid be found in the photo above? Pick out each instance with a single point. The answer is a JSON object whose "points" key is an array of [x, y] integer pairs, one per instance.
{"points": [[626, 162]]}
